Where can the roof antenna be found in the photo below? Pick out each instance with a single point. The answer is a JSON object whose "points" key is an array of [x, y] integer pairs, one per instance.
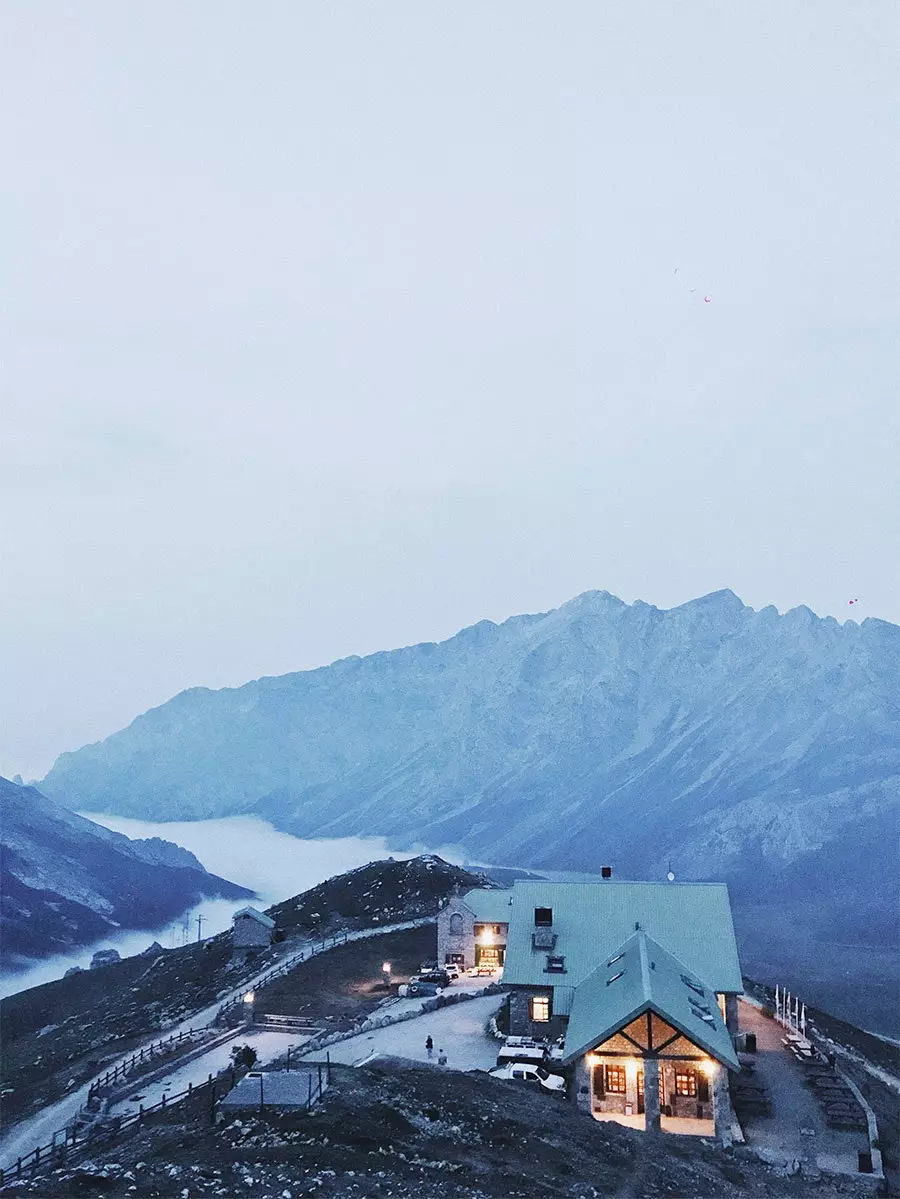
{"points": [[671, 873]]}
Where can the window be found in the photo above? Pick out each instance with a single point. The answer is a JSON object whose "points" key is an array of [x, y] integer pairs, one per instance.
{"points": [[689, 982], [539, 1008], [686, 1083], [556, 964], [543, 917], [615, 1080], [456, 925]]}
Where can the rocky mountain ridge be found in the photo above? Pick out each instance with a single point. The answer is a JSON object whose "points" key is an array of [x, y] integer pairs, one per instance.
{"points": [[66, 881], [749, 746]]}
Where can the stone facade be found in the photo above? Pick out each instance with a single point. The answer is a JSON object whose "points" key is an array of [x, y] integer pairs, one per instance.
{"points": [[250, 933], [461, 936], [521, 1023]]}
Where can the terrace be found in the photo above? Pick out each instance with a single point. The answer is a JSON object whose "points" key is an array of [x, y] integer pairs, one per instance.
{"points": [[792, 1105]]}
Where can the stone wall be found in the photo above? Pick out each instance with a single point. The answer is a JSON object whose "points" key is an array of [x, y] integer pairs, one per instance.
{"points": [[520, 1022], [456, 942], [250, 934]]}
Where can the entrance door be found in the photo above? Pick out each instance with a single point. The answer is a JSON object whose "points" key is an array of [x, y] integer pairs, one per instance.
{"points": [[640, 1091], [488, 955]]}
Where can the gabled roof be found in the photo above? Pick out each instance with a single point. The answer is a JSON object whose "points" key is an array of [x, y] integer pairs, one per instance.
{"points": [[590, 920], [642, 976], [491, 905], [260, 916]]}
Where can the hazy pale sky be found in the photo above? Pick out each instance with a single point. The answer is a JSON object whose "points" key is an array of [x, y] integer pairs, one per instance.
{"points": [[333, 327]]}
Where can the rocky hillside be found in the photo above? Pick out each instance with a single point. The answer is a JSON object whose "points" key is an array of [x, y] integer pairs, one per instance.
{"points": [[390, 1130], [382, 892], [67, 1028], [65, 881], [738, 744]]}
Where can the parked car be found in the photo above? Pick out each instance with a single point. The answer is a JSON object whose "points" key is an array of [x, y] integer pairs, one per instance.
{"points": [[522, 1049], [427, 967], [439, 977], [481, 971], [529, 1073], [453, 971], [418, 987]]}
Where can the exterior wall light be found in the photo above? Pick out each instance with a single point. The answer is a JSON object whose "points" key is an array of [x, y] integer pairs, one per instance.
{"points": [[249, 997]]}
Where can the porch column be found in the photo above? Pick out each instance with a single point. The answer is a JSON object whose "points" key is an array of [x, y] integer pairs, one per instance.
{"points": [[651, 1095], [731, 1013], [581, 1083], [722, 1112]]}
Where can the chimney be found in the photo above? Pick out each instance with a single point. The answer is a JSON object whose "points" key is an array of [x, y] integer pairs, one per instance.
{"points": [[606, 871]]}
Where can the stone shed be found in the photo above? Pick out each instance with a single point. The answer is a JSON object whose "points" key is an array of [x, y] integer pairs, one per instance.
{"points": [[252, 929]]}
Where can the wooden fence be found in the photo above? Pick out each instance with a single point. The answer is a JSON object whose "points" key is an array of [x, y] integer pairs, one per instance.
{"points": [[74, 1145], [139, 1057]]}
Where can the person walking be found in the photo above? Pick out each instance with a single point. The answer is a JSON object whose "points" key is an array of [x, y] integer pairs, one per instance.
{"points": [[429, 1046], [442, 1058]]}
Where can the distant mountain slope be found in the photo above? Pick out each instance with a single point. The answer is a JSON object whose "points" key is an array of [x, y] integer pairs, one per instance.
{"points": [[741, 745], [65, 881], [709, 732]]}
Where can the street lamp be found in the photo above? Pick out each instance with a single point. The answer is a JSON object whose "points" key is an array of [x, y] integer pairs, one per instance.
{"points": [[249, 999], [386, 970]]}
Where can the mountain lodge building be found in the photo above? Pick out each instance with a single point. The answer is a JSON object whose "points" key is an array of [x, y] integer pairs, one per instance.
{"points": [[640, 980]]}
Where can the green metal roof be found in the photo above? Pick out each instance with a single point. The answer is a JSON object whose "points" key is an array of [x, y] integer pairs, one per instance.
{"points": [[640, 976], [591, 920], [490, 905]]}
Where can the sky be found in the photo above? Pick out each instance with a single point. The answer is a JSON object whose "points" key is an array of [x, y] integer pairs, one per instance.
{"points": [[331, 328]]}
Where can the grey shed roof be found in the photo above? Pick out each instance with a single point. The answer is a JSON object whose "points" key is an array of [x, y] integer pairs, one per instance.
{"points": [[640, 976], [256, 915], [492, 906], [280, 1088], [591, 920]]}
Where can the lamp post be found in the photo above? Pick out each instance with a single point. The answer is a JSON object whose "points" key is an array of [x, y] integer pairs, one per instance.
{"points": [[386, 971], [249, 1001]]}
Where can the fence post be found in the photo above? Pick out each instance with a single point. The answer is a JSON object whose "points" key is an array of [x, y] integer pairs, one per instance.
{"points": [[37, 1156], [19, 1168], [319, 1068], [163, 1101], [309, 1090], [328, 1066], [141, 1114]]}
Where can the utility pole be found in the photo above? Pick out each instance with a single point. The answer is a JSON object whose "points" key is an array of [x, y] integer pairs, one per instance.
{"points": [[200, 920]]}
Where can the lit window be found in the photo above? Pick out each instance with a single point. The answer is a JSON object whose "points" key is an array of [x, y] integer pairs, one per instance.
{"points": [[540, 1008], [686, 1083], [615, 1079]]}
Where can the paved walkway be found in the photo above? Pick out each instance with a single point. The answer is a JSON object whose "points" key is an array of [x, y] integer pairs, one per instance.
{"points": [[457, 1029], [37, 1129], [796, 1128]]}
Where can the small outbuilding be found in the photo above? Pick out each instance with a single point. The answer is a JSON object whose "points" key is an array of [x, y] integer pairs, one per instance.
{"points": [[288, 1090], [252, 929]]}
